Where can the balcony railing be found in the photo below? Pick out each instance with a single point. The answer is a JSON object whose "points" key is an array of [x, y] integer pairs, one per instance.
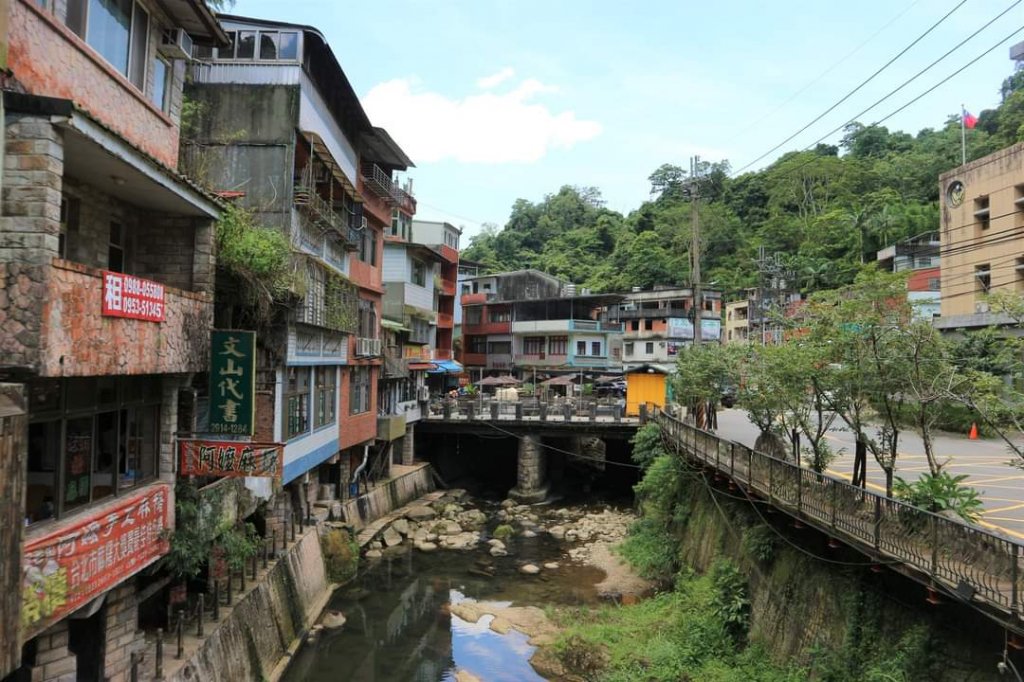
{"points": [[379, 181], [647, 313], [444, 320], [320, 212], [366, 347]]}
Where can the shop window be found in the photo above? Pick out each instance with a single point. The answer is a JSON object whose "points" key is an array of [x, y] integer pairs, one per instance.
{"points": [[326, 396], [78, 446], [43, 458], [296, 401], [138, 453], [106, 453]]}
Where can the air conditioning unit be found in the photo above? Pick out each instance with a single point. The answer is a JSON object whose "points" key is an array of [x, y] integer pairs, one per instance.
{"points": [[368, 347], [423, 394], [176, 44], [981, 307]]}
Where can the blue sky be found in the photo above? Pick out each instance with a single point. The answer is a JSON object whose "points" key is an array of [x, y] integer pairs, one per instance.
{"points": [[501, 99]]}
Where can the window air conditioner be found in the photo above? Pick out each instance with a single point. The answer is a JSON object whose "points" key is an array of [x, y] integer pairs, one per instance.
{"points": [[176, 44]]}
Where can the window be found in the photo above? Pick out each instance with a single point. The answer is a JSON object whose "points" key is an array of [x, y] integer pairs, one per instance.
{"points": [[419, 273], [558, 345], [499, 347], [477, 344], [648, 324], [709, 305], [628, 347], [500, 315], [115, 248], [368, 247], [117, 29], [581, 348], [272, 46], [245, 45], [981, 212], [268, 45], [533, 345], [70, 208], [595, 348], [325, 386], [635, 325], [161, 84], [649, 348], [367, 320], [314, 310], [91, 448], [465, 289], [359, 390], [983, 276], [288, 45], [296, 402], [472, 315]]}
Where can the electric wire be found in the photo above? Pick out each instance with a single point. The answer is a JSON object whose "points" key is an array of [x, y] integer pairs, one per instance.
{"points": [[861, 85]]}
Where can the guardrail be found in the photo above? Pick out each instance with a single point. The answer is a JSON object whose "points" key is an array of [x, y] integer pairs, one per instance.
{"points": [[977, 565], [487, 408]]}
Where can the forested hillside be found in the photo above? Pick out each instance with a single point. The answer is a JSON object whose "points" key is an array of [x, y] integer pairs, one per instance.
{"points": [[826, 210]]}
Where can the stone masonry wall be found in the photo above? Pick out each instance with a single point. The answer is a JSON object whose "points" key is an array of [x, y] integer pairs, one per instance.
{"points": [[121, 632], [29, 229], [54, 662]]}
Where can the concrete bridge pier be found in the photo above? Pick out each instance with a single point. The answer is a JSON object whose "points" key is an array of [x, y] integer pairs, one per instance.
{"points": [[532, 483]]}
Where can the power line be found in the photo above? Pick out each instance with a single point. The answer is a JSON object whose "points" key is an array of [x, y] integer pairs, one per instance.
{"points": [[861, 85]]}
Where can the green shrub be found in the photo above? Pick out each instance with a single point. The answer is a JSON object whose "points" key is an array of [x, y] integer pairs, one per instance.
{"points": [[730, 601], [940, 493], [650, 549], [759, 543], [647, 445], [341, 555], [504, 532]]}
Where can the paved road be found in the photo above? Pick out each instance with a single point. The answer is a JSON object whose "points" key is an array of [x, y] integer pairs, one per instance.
{"points": [[986, 462]]}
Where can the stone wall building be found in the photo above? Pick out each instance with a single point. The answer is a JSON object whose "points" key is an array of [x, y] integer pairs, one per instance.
{"points": [[106, 304]]}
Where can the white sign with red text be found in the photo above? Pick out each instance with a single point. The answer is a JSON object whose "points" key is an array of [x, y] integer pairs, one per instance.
{"points": [[134, 297]]}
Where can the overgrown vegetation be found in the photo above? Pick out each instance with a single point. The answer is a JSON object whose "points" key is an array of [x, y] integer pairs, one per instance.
{"points": [[205, 529], [941, 493], [341, 555]]}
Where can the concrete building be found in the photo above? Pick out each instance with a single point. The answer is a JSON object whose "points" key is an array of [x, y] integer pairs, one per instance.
{"points": [[919, 256], [530, 322], [658, 324], [737, 321], [313, 166], [443, 238], [982, 246], [106, 306], [467, 270]]}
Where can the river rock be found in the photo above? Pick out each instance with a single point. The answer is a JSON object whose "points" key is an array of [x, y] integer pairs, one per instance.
{"points": [[374, 554], [551, 565], [507, 504], [498, 551], [425, 546], [495, 542], [333, 620], [528, 533], [376, 544], [461, 541], [529, 569], [420, 512], [402, 526], [473, 517], [448, 527], [392, 537], [451, 511], [557, 532], [456, 493]]}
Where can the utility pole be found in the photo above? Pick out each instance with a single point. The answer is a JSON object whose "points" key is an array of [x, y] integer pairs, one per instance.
{"points": [[698, 304]]}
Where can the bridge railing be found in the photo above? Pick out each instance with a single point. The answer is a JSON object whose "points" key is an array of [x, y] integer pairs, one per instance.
{"points": [[970, 561], [544, 409]]}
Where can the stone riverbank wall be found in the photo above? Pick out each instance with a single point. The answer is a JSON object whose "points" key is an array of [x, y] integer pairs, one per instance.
{"points": [[404, 487], [252, 643]]}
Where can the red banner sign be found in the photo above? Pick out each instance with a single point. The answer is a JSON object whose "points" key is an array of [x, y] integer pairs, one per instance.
{"points": [[229, 458], [134, 297], [65, 569]]}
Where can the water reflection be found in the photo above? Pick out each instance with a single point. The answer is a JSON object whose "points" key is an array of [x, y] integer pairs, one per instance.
{"points": [[400, 627]]}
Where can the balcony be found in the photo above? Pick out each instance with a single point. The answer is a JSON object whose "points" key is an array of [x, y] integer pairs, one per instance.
{"points": [[596, 326], [442, 354], [475, 359], [406, 201], [539, 360], [447, 287], [367, 347], [390, 427], [80, 341], [648, 313], [378, 181], [320, 212], [449, 254], [445, 320], [499, 361]]}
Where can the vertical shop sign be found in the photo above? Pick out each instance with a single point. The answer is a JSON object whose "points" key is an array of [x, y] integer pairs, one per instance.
{"points": [[232, 382]]}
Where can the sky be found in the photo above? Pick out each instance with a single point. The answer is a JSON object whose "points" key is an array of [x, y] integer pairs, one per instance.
{"points": [[496, 100]]}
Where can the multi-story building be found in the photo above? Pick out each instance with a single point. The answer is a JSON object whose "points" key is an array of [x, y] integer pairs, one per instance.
{"points": [[312, 165], [919, 256], [737, 321], [467, 270], [980, 236], [531, 322], [657, 324], [106, 307]]}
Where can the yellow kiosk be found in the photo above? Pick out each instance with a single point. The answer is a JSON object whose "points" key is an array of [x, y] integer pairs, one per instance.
{"points": [[647, 383]]}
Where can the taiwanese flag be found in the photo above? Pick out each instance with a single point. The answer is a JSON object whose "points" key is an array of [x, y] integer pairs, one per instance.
{"points": [[970, 120]]}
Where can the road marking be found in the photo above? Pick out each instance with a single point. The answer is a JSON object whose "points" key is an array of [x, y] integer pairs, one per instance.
{"points": [[1011, 507], [1009, 532], [849, 477], [997, 479]]}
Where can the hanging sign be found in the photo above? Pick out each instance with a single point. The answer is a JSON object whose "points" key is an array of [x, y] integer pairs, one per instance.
{"points": [[232, 382], [227, 458], [63, 570], [133, 297]]}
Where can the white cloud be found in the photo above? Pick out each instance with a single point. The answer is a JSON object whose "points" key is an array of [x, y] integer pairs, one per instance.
{"points": [[487, 127], [488, 82]]}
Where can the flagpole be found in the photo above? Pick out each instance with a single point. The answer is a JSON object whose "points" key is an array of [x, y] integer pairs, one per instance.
{"points": [[963, 136]]}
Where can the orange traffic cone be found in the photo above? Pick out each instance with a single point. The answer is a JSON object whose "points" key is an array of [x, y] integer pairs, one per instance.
{"points": [[973, 435]]}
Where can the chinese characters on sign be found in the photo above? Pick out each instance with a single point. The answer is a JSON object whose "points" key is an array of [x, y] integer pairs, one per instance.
{"points": [[65, 569], [232, 382], [134, 297], [218, 458]]}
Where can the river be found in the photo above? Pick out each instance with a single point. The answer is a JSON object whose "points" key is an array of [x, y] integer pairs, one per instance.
{"points": [[400, 624]]}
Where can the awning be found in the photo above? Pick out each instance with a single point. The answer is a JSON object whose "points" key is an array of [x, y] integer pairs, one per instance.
{"points": [[395, 326], [320, 147], [445, 367], [652, 368], [415, 366]]}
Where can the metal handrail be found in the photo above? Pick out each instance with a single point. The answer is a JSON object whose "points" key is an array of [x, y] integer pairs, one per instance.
{"points": [[960, 556]]}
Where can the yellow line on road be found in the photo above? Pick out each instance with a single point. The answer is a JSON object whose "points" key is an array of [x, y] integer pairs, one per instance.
{"points": [[849, 477], [992, 526], [998, 479], [1007, 508]]}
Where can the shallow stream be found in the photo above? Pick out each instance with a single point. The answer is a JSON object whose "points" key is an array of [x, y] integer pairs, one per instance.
{"points": [[399, 624]]}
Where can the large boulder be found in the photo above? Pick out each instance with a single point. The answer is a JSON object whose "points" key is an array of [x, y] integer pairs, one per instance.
{"points": [[402, 526], [420, 512], [392, 537], [529, 569]]}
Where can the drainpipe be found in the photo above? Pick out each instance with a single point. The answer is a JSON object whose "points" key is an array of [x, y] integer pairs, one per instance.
{"points": [[359, 469]]}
